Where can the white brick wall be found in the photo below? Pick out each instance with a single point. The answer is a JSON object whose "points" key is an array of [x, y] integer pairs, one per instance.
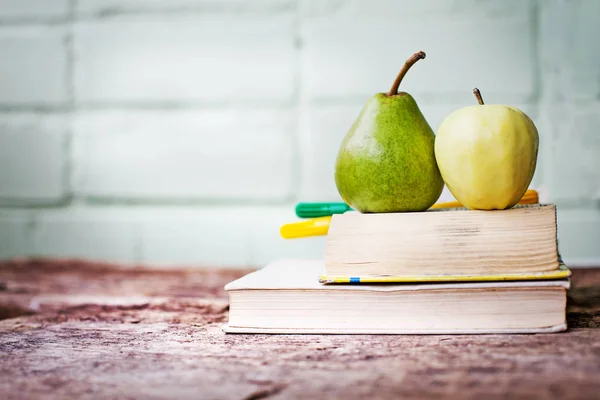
{"points": [[90, 233], [183, 132], [33, 158], [584, 76], [161, 236], [115, 6], [574, 171], [218, 236], [357, 48], [33, 62], [213, 236], [570, 104], [579, 236], [177, 58], [15, 234], [221, 154], [14, 9], [323, 134]]}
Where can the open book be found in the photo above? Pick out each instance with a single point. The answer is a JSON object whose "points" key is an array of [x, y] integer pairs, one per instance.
{"points": [[286, 297]]}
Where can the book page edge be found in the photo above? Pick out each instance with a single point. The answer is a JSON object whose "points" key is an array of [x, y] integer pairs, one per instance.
{"points": [[551, 329]]}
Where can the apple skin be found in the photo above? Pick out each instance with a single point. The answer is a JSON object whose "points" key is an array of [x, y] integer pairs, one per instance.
{"points": [[487, 155]]}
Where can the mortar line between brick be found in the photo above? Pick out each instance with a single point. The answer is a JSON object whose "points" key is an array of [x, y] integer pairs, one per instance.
{"points": [[138, 246], [69, 81], [200, 9], [536, 95], [298, 94], [33, 21], [303, 143], [70, 55], [32, 232], [535, 44]]}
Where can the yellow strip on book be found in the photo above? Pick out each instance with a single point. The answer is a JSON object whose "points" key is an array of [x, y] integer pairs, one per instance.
{"points": [[560, 273]]}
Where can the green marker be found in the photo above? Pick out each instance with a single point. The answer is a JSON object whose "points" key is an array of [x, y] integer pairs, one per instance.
{"points": [[315, 210]]}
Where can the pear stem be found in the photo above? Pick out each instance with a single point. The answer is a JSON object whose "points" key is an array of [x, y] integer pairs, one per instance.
{"points": [[409, 63], [477, 94]]}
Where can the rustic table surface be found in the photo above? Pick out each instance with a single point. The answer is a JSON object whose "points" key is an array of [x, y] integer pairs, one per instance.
{"points": [[76, 330]]}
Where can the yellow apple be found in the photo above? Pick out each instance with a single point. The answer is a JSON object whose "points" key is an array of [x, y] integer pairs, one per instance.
{"points": [[487, 154]]}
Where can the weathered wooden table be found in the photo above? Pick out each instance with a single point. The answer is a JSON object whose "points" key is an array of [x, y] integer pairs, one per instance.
{"points": [[74, 330]]}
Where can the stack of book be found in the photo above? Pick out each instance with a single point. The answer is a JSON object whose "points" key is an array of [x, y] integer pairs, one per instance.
{"points": [[441, 271]]}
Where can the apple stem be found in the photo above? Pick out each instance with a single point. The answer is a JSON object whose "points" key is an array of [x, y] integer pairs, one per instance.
{"points": [[477, 94], [409, 63]]}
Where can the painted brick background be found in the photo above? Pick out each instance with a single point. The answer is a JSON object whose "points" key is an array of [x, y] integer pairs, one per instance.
{"points": [[33, 62], [183, 132], [187, 57]]}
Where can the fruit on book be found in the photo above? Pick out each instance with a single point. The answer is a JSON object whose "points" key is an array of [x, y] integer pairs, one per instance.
{"points": [[386, 162], [487, 154]]}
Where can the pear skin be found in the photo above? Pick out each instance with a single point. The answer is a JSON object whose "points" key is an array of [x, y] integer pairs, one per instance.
{"points": [[386, 162]]}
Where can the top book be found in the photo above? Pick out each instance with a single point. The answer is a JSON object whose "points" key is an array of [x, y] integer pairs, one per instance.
{"points": [[455, 241]]}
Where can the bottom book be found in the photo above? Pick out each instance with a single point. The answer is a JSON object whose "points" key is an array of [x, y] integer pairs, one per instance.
{"points": [[286, 297]]}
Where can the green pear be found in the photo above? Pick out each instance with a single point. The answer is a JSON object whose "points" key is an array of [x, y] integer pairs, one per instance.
{"points": [[487, 154], [386, 161]]}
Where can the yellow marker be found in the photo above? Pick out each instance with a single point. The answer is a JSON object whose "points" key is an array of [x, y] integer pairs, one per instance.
{"points": [[530, 197], [320, 226], [310, 227]]}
